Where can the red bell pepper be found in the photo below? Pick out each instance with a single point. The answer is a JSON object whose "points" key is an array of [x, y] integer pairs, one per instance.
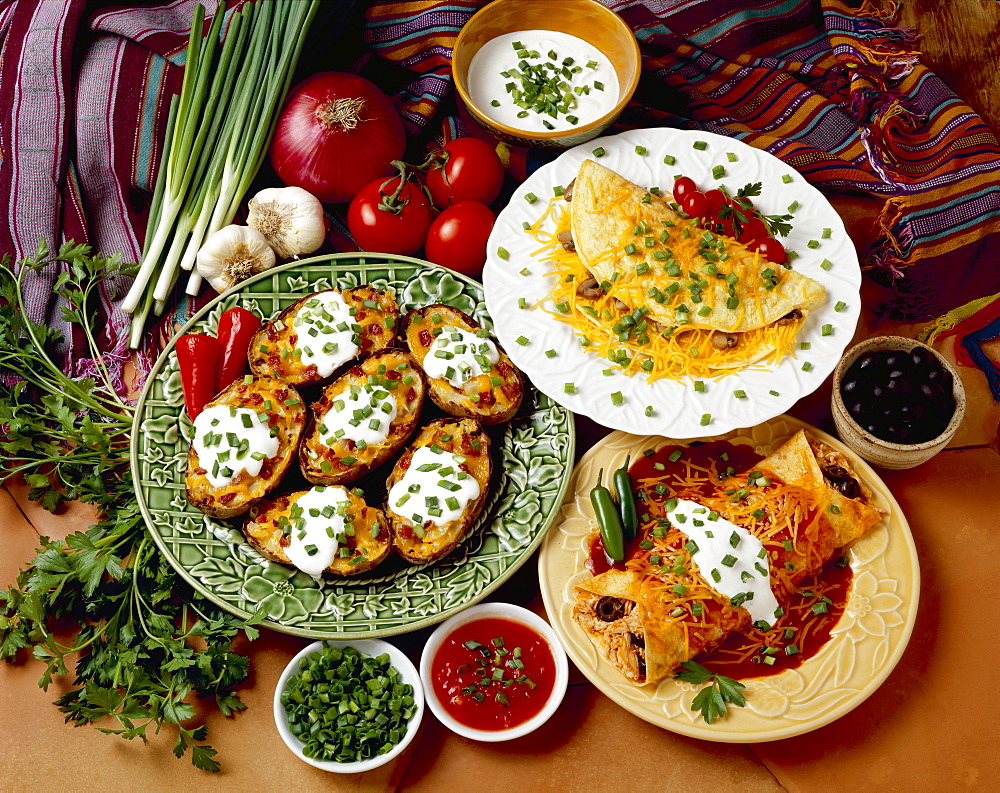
{"points": [[236, 328], [198, 357]]}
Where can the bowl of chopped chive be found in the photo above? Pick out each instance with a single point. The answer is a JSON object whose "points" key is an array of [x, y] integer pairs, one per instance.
{"points": [[494, 672], [546, 72], [896, 401], [348, 706]]}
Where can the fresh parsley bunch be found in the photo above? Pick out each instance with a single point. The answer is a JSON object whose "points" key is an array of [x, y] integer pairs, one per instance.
{"points": [[148, 644]]}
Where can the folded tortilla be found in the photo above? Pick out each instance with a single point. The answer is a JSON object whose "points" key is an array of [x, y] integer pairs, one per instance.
{"points": [[626, 614], [605, 210]]}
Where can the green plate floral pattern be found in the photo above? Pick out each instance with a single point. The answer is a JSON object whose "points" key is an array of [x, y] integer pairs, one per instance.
{"points": [[533, 462]]}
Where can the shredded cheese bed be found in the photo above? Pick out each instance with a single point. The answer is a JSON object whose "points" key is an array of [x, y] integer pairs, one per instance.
{"points": [[628, 338]]}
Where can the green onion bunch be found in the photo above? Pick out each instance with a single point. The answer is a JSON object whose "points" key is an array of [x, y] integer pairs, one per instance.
{"points": [[218, 131], [346, 706]]}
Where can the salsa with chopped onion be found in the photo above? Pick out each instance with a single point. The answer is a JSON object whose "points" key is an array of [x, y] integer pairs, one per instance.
{"points": [[493, 674]]}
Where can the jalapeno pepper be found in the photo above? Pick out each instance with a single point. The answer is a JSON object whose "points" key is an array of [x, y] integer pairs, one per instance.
{"points": [[236, 328], [198, 358], [626, 501], [608, 520]]}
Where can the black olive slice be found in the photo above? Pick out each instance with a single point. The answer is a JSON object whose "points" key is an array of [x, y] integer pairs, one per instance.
{"points": [[609, 609]]}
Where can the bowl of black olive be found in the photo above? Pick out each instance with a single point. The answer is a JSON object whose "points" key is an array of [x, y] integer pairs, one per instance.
{"points": [[896, 401]]}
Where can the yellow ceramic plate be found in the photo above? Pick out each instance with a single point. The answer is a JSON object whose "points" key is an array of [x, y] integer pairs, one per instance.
{"points": [[863, 648]]}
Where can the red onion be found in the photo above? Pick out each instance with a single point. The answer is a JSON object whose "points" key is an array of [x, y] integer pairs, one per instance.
{"points": [[336, 133]]}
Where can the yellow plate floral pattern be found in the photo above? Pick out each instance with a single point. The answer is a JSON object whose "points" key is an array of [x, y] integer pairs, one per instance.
{"points": [[863, 648]]}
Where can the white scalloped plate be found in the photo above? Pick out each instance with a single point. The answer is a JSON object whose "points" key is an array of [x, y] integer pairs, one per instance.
{"points": [[677, 407], [863, 648]]}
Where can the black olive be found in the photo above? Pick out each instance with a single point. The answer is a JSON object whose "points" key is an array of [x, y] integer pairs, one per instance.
{"points": [[899, 387], [911, 411], [897, 360], [919, 356], [849, 387], [637, 640], [929, 390], [897, 433], [609, 609], [895, 374], [867, 361]]}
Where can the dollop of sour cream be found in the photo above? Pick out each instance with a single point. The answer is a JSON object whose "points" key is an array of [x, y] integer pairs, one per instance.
{"points": [[362, 414], [318, 528], [328, 336], [501, 76], [456, 355], [434, 488], [229, 440], [731, 560]]}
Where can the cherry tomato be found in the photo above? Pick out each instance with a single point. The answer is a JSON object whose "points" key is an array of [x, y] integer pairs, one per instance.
{"points": [[683, 186], [770, 248], [457, 238], [695, 204], [400, 228], [754, 229], [468, 169], [716, 200]]}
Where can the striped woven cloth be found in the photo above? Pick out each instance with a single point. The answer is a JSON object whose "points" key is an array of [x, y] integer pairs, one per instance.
{"points": [[837, 93]]}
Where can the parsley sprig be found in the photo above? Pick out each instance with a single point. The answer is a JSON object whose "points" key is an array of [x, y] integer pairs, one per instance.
{"points": [[148, 644], [779, 225], [712, 700]]}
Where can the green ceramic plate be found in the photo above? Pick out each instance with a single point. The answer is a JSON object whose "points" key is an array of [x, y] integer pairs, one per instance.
{"points": [[533, 462]]}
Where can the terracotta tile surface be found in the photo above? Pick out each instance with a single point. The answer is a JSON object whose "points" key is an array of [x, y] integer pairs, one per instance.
{"points": [[933, 724]]}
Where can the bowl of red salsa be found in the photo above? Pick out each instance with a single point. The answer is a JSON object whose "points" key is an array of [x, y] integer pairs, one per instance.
{"points": [[494, 672]]}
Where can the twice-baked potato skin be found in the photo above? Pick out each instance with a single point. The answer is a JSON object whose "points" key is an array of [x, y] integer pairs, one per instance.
{"points": [[252, 430], [314, 338], [386, 389], [478, 380], [449, 459], [273, 527]]}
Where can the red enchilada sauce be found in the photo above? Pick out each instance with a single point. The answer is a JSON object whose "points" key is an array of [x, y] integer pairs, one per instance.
{"points": [[812, 611], [493, 674]]}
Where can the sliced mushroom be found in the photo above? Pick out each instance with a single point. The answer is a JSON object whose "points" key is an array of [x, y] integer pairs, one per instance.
{"points": [[724, 341], [568, 192], [619, 304], [566, 238], [590, 289], [792, 316]]}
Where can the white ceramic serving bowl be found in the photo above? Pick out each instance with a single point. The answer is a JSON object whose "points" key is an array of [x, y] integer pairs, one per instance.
{"points": [[371, 647], [504, 611], [875, 450]]}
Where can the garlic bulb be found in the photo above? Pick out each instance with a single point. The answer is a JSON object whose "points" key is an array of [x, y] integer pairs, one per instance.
{"points": [[232, 254], [290, 218]]}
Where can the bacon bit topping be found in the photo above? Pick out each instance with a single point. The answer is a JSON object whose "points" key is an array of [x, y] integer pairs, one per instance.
{"points": [[425, 338]]}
